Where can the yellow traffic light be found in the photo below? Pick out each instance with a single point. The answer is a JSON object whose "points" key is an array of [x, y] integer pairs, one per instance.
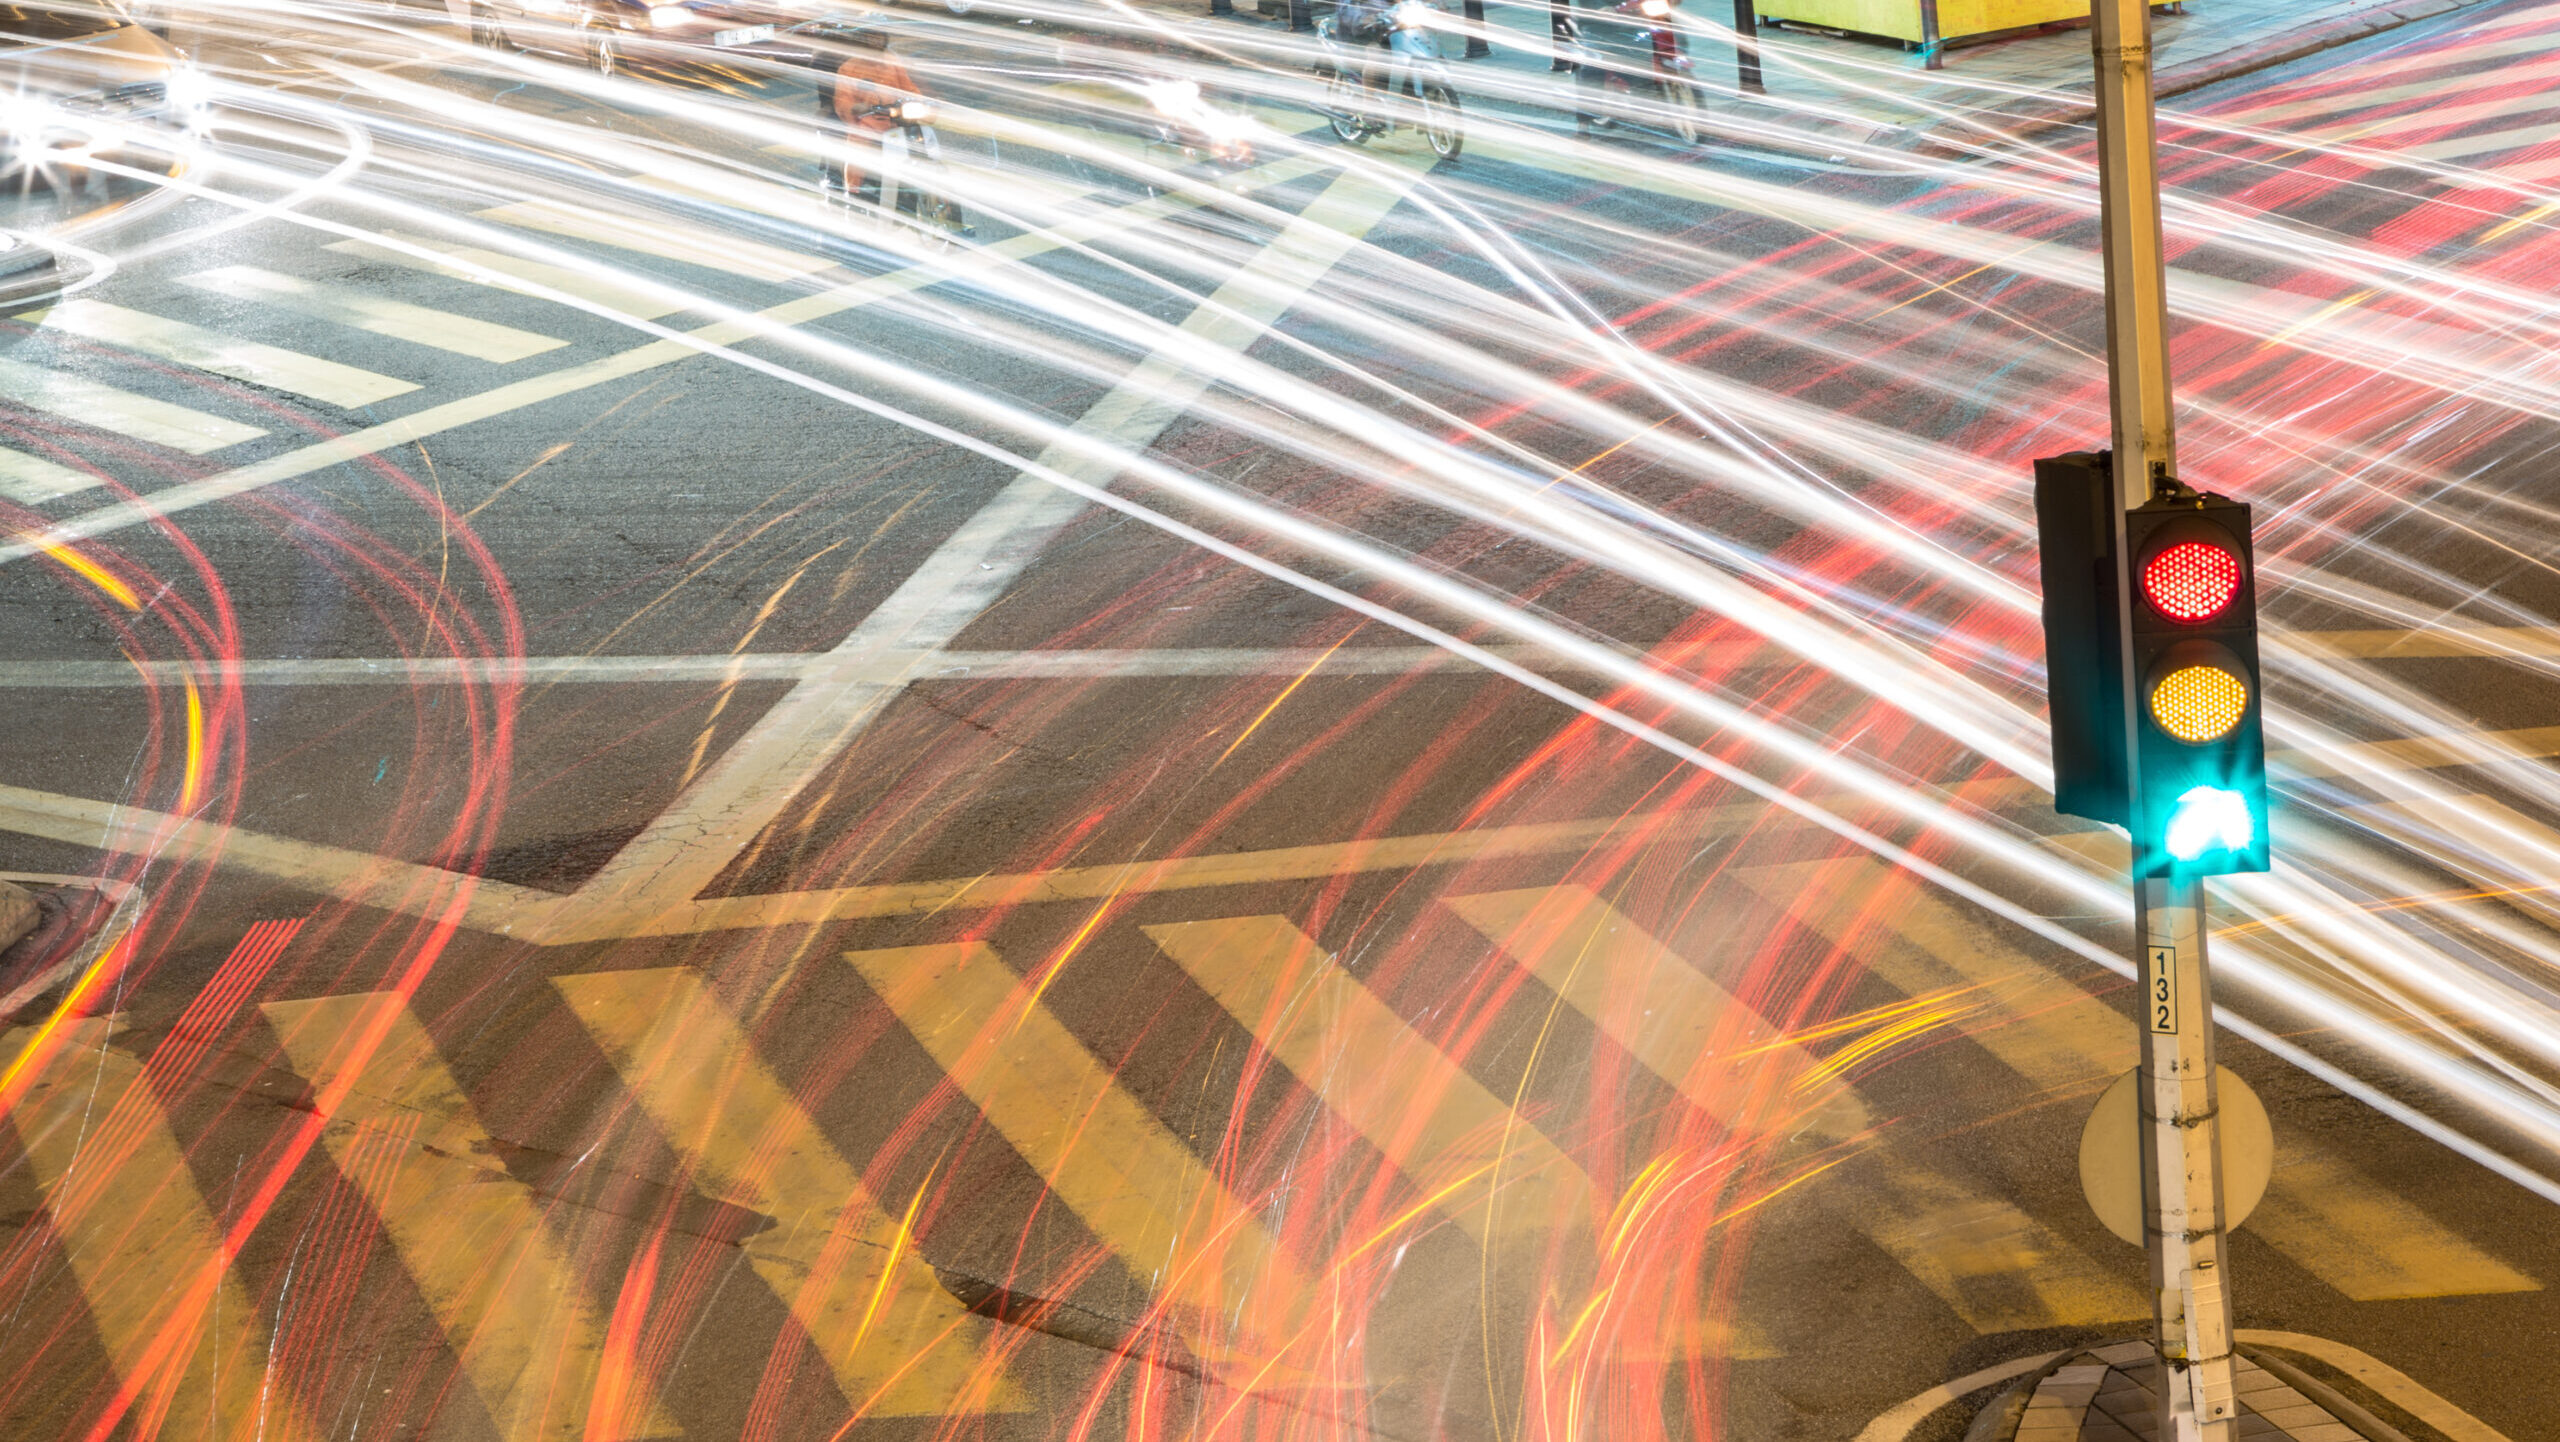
{"points": [[2199, 703]]}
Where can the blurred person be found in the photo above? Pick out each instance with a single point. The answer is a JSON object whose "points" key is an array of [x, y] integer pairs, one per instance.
{"points": [[1561, 30], [870, 83]]}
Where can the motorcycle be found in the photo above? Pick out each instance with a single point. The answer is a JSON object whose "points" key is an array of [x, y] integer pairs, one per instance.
{"points": [[908, 151], [1415, 68], [1636, 44]]}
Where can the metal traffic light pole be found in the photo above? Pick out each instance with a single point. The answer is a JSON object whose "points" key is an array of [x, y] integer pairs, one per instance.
{"points": [[2182, 1189]]}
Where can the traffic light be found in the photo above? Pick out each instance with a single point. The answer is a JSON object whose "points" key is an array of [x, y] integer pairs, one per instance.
{"points": [[2084, 666], [2203, 753], [2201, 748]]}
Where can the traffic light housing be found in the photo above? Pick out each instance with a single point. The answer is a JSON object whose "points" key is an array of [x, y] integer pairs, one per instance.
{"points": [[2193, 625]]}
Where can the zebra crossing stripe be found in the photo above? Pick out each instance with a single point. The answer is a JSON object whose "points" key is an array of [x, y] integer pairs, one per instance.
{"points": [[360, 310], [900, 1346], [664, 240], [151, 1266], [471, 1236], [33, 480], [1992, 1264], [104, 407], [329, 382], [468, 262]]}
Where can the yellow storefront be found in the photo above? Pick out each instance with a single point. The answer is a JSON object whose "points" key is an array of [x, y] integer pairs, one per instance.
{"points": [[1909, 20]]}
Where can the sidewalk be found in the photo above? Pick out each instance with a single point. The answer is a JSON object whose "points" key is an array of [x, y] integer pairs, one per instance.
{"points": [[1865, 90], [2105, 1394]]}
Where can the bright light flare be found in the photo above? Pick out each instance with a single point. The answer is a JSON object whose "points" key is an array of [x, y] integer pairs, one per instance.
{"points": [[2208, 819]]}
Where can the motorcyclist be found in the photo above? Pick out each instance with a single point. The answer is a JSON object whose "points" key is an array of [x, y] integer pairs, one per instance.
{"points": [[1364, 26], [1614, 41], [869, 84]]}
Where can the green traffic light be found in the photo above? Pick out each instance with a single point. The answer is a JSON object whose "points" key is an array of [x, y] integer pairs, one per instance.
{"points": [[2208, 819]]}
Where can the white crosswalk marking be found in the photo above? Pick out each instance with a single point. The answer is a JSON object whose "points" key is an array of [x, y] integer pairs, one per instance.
{"points": [[33, 480], [662, 239], [470, 262], [326, 381], [460, 334], [93, 403]]}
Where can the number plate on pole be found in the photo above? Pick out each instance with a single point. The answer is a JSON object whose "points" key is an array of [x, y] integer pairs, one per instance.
{"points": [[2160, 989]]}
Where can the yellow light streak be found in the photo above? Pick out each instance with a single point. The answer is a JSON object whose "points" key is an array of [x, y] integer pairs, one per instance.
{"points": [[1285, 693], [191, 785], [91, 572]]}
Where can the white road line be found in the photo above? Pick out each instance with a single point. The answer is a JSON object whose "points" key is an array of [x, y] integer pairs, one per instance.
{"points": [[569, 380], [627, 299], [728, 808], [417, 324], [96, 404], [886, 665], [33, 480], [664, 240], [327, 381]]}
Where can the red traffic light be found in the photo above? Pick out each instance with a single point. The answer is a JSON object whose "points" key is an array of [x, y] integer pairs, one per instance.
{"points": [[2191, 581]]}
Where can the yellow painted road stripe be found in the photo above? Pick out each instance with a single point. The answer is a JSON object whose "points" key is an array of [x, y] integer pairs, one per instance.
{"points": [[1996, 1267], [471, 1235], [1721, 1054], [667, 240], [2428, 642], [143, 1247], [1134, 1184], [342, 305], [33, 480], [636, 301], [327, 381], [92, 403], [1487, 1168], [1493, 1173], [2330, 1220], [2343, 1228], [900, 1346]]}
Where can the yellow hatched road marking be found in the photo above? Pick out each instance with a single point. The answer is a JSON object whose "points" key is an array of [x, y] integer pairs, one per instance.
{"points": [[2329, 1219], [1497, 1177], [625, 298], [899, 1344], [2350, 1233], [146, 1252], [1721, 1054], [1492, 1172], [666, 240], [92, 403], [327, 381], [1135, 1185], [471, 1235], [341, 305], [1995, 1266], [33, 480]]}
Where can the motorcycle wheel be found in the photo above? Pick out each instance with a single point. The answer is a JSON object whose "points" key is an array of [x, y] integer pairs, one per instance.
{"points": [[1681, 100], [1342, 108], [485, 30], [1441, 124]]}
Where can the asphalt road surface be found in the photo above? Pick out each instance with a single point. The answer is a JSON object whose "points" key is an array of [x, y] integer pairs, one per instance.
{"points": [[1341, 795]]}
